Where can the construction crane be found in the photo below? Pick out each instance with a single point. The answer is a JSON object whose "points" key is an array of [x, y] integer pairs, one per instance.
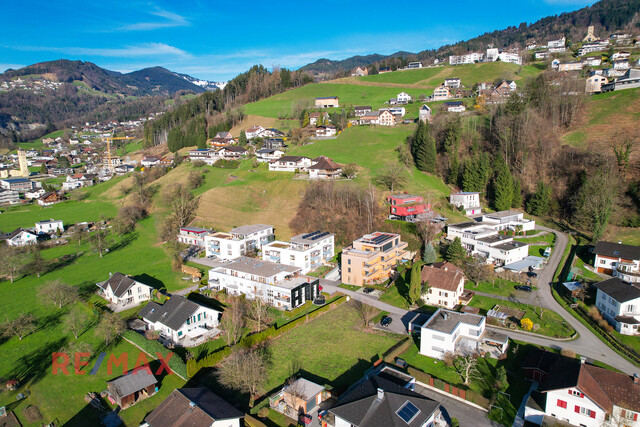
{"points": [[108, 139]]}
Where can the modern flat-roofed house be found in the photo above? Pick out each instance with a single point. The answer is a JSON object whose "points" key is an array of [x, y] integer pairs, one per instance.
{"points": [[593, 61], [449, 331], [570, 66], [307, 251], [194, 407], [414, 64], [124, 291], [264, 155], [280, 285], [629, 80], [150, 161], [467, 200], [193, 236], [20, 185], [132, 387], [372, 258], [290, 163], [454, 106], [50, 226], [407, 207], [618, 260], [424, 114], [619, 303], [179, 319], [207, 155], [324, 168], [453, 82], [361, 110], [11, 197], [445, 284], [327, 102], [239, 241], [441, 93], [20, 237], [558, 43]]}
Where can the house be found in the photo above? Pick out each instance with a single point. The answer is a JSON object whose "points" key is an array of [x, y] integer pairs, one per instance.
{"points": [[361, 110], [506, 86], [541, 54], [271, 133], [194, 407], [403, 98], [302, 396], [445, 284], [326, 131], [619, 303], [411, 65], [618, 260], [224, 135], [77, 181], [253, 131], [280, 285], [558, 43], [592, 61], [510, 58], [10, 197], [20, 237], [327, 102], [132, 387], [531, 44], [180, 319], [49, 198], [273, 143], [622, 64], [20, 185], [360, 72], [424, 114], [398, 112], [629, 80], [441, 93], [232, 152], [33, 194], [324, 168], [620, 55], [49, 227], [290, 164], [448, 331], [581, 394], [207, 155], [467, 200], [193, 236], [454, 106], [570, 66], [370, 118], [307, 251], [379, 401], [149, 161], [469, 58], [123, 169], [407, 207], [314, 118], [372, 258], [239, 241], [385, 118], [594, 83], [124, 291], [383, 70], [268, 154], [453, 82]]}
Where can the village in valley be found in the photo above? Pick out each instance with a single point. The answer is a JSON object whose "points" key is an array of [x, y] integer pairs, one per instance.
{"points": [[413, 242]]}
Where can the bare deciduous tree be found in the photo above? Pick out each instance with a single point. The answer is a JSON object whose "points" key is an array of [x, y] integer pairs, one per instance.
{"points": [[20, 327], [467, 367], [76, 321], [364, 311], [57, 293], [294, 394], [100, 239], [258, 311], [12, 261], [245, 371], [476, 271], [110, 327], [232, 321], [392, 176], [182, 204]]}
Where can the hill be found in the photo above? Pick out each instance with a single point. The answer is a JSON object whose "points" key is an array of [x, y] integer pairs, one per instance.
{"points": [[606, 16]]}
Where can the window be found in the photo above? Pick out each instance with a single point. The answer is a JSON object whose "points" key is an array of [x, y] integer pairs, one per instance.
{"points": [[576, 393], [437, 337], [562, 404], [408, 412], [585, 411]]}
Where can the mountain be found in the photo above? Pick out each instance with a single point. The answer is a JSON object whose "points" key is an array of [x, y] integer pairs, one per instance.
{"points": [[205, 84], [607, 16], [148, 81]]}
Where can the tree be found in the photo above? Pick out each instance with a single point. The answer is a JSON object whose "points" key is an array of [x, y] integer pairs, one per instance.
{"points": [[392, 176], [305, 119], [516, 200], [429, 256], [539, 204], [127, 218], [475, 270], [415, 283], [258, 311], [100, 239], [501, 378], [20, 327], [364, 311], [12, 261], [79, 234], [43, 169], [350, 170], [467, 367], [594, 202], [232, 322], [423, 148], [38, 265], [195, 179], [182, 204], [57, 293], [76, 321], [242, 139], [502, 187], [456, 253], [526, 324], [63, 162], [244, 371], [110, 327]]}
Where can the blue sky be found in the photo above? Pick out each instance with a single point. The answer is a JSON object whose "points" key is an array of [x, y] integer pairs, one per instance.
{"points": [[217, 40]]}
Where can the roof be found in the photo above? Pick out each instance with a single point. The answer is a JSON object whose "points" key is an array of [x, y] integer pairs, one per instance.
{"points": [[617, 250], [119, 284], [362, 107], [195, 229], [325, 163], [453, 103], [248, 229], [16, 180], [306, 389], [540, 359], [445, 321], [442, 278], [173, 313], [502, 214], [465, 193], [15, 232], [192, 407], [618, 289], [291, 159], [362, 406], [327, 97], [235, 148], [259, 267], [132, 382]]}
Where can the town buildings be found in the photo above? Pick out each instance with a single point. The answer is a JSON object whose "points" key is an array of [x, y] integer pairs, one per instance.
{"points": [[630, 79], [372, 258], [407, 207], [239, 241], [469, 201], [124, 291], [307, 251], [618, 260]]}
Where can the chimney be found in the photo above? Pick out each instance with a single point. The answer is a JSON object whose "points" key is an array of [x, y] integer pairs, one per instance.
{"points": [[636, 379], [619, 242], [380, 394], [192, 405], [445, 315], [583, 359]]}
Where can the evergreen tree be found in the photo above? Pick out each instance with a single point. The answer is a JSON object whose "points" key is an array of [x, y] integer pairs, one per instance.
{"points": [[423, 148], [429, 256], [539, 203], [516, 200], [305, 119], [456, 253], [242, 139], [452, 148], [43, 169], [415, 285], [502, 187]]}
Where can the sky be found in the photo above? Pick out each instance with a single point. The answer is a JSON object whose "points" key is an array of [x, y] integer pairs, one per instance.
{"points": [[216, 40]]}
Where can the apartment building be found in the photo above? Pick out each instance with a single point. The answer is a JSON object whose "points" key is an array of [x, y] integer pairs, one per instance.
{"points": [[239, 241], [193, 236], [407, 207], [469, 58], [372, 258], [619, 303], [283, 286], [306, 251]]}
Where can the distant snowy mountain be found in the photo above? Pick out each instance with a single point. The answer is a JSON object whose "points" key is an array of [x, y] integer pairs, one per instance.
{"points": [[205, 84]]}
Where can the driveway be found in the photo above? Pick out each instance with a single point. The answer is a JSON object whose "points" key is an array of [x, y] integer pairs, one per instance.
{"points": [[207, 262]]}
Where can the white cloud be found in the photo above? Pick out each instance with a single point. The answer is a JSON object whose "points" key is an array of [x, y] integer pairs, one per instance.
{"points": [[170, 20], [145, 49]]}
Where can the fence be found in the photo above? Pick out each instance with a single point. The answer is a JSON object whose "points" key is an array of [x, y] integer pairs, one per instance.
{"points": [[460, 391]]}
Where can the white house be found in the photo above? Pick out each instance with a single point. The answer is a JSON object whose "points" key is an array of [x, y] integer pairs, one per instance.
{"points": [[403, 98], [558, 43], [20, 237], [239, 241], [48, 227], [445, 284], [150, 161], [619, 303], [424, 114], [290, 163], [193, 236], [449, 331], [469, 58], [441, 93], [453, 82], [268, 154], [618, 260], [124, 291], [11, 197], [270, 133], [468, 200], [33, 194], [454, 107], [306, 251], [326, 131], [280, 285], [324, 168], [207, 155], [253, 131], [179, 319]]}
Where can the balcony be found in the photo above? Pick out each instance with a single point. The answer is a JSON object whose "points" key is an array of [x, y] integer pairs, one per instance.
{"points": [[285, 298]]}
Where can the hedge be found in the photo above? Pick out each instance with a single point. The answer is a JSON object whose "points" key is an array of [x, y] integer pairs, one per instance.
{"points": [[399, 348], [153, 346], [252, 422], [470, 395]]}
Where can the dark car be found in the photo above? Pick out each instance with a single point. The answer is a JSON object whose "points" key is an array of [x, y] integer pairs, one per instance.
{"points": [[401, 362], [386, 321], [368, 290], [532, 274], [305, 419], [523, 288]]}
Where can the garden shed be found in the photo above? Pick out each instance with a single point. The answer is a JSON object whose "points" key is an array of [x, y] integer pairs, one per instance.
{"points": [[128, 389]]}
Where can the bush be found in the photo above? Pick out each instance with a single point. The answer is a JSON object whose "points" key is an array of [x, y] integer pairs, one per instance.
{"points": [[603, 323], [198, 163], [594, 313], [449, 359], [567, 352], [263, 412], [526, 324], [227, 164]]}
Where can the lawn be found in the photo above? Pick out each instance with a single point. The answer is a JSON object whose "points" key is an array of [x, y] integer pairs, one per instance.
{"points": [[547, 239], [551, 324], [70, 212], [495, 287], [403, 76]]}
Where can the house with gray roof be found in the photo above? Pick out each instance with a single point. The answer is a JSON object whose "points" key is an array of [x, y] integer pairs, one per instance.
{"points": [[20, 237], [180, 320], [619, 303], [618, 260], [130, 388], [124, 291]]}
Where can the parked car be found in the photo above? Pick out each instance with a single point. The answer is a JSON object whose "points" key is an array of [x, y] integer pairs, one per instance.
{"points": [[368, 290], [523, 288], [305, 419], [401, 362], [386, 321], [532, 274]]}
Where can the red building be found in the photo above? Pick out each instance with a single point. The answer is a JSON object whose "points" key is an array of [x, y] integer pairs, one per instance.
{"points": [[407, 207]]}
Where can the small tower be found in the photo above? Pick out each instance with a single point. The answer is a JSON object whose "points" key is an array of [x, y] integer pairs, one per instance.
{"points": [[590, 37]]}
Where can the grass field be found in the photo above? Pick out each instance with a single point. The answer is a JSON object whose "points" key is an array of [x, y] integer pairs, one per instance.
{"points": [[495, 287]]}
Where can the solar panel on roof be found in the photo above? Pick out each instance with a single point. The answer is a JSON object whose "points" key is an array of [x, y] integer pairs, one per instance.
{"points": [[408, 412], [306, 236], [319, 236]]}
